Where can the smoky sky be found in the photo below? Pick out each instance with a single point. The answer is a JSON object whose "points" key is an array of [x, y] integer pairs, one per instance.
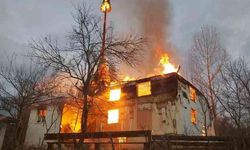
{"points": [[151, 17], [24, 20]]}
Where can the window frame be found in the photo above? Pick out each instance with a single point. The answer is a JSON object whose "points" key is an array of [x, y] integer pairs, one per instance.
{"points": [[139, 86]]}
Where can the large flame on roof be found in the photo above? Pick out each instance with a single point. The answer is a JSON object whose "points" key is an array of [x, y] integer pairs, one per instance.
{"points": [[167, 66]]}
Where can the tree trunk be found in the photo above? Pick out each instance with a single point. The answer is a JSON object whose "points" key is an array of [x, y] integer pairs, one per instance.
{"points": [[84, 120]]}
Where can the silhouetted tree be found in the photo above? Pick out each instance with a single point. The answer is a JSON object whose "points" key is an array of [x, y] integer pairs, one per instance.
{"points": [[206, 58], [235, 93], [81, 58], [20, 87]]}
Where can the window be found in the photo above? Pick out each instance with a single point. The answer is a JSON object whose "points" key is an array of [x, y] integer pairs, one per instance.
{"points": [[144, 89], [113, 116], [115, 94], [71, 118], [41, 114], [193, 116], [184, 94], [192, 93]]}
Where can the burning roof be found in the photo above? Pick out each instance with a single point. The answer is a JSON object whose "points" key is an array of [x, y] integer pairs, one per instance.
{"points": [[155, 85]]}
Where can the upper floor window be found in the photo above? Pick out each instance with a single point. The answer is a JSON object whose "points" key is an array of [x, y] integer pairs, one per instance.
{"points": [[115, 94], [192, 94], [144, 89]]}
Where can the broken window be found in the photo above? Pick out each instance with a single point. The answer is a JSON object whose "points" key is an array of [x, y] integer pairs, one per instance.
{"points": [[144, 89], [184, 94], [113, 116], [193, 116], [41, 114], [115, 94], [192, 93]]}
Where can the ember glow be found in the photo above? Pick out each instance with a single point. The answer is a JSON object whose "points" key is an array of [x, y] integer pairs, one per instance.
{"points": [[113, 116], [167, 66], [128, 78], [71, 119], [144, 89], [115, 94]]}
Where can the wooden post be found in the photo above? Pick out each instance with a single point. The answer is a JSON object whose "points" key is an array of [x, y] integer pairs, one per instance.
{"points": [[147, 145], [50, 146], [97, 146], [59, 142], [112, 143], [75, 143]]}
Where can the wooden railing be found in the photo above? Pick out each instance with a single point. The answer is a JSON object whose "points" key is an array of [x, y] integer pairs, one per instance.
{"points": [[89, 137], [162, 142], [150, 142]]}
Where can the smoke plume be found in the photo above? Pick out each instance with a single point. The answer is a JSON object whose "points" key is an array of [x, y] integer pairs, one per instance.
{"points": [[152, 18]]}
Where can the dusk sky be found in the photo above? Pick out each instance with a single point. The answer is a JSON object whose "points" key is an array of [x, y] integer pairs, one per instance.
{"points": [[24, 20]]}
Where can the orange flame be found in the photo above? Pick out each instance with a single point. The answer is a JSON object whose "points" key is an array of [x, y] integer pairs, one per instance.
{"points": [[168, 67], [128, 78]]}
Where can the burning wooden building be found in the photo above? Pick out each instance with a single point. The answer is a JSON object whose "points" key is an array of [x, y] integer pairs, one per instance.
{"points": [[165, 104]]}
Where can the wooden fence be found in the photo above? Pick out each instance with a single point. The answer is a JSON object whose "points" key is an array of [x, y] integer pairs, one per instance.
{"points": [[143, 138], [147, 141], [161, 142]]}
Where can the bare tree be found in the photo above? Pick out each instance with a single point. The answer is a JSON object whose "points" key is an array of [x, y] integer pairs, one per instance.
{"points": [[81, 57], [235, 93], [206, 58], [203, 102], [20, 87]]}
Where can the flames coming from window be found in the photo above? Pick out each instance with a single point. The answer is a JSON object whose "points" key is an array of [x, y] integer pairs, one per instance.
{"points": [[71, 119]]}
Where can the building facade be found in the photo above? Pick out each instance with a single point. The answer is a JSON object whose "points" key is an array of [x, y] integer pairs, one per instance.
{"points": [[165, 104]]}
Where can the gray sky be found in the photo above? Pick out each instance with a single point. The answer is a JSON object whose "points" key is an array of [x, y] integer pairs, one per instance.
{"points": [[24, 20]]}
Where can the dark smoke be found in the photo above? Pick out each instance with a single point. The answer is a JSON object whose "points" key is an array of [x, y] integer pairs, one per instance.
{"points": [[152, 17]]}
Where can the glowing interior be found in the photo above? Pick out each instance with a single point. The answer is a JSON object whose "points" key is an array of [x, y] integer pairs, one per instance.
{"points": [[128, 78], [144, 89], [122, 139], [193, 116], [115, 94], [71, 119], [192, 93], [113, 116]]}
